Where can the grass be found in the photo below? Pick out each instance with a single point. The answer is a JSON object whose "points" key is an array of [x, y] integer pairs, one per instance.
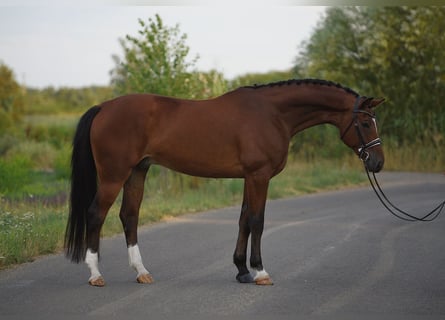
{"points": [[420, 158], [30, 228], [27, 231]]}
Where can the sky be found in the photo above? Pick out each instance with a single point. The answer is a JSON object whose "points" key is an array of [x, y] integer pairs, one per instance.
{"points": [[72, 45]]}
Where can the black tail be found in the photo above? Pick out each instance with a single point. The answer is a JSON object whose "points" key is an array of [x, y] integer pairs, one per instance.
{"points": [[83, 188]]}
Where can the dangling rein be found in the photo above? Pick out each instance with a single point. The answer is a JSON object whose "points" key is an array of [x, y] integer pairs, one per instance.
{"points": [[394, 210]]}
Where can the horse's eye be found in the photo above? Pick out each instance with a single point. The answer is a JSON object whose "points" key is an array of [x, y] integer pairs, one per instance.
{"points": [[366, 125]]}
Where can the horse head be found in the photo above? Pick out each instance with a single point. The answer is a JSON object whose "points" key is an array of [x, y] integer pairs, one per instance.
{"points": [[364, 138]]}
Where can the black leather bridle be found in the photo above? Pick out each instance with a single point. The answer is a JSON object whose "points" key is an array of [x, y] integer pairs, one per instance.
{"points": [[363, 154]]}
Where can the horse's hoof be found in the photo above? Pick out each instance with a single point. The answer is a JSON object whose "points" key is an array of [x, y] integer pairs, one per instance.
{"points": [[145, 278], [245, 278], [97, 282], [264, 281]]}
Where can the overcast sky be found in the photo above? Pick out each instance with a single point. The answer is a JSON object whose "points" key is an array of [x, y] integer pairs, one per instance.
{"points": [[72, 45]]}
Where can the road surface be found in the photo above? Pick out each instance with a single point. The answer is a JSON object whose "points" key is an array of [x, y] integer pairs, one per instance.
{"points": [[334, 253]]}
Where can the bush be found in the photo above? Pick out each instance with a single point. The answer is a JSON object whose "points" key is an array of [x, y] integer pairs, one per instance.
{"points": [[320, 142], [40, 154], [14, 173], [7, 141], [5, 121], [57, 135]]}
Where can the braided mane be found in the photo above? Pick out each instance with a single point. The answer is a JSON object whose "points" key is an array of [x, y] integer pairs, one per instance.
{"points": [[303, 82]]}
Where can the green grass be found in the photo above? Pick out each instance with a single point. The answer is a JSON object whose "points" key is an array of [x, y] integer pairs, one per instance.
{"points": [[27, 231]]}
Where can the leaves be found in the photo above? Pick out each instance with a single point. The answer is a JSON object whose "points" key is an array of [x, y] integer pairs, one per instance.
{"points": [[11, 99], [155, 61], [394, 52]]}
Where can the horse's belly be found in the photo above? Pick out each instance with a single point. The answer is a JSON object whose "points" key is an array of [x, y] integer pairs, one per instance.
{"points": [[203, 164]]}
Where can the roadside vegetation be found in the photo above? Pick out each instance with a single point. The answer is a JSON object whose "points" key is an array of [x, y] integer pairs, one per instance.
{"points": [[392, 52]]}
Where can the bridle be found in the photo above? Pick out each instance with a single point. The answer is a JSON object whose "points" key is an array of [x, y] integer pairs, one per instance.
{"points": [[364, 156]]}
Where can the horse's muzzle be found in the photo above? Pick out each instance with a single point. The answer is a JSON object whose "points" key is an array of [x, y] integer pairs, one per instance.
{"points": [[374, 163]]}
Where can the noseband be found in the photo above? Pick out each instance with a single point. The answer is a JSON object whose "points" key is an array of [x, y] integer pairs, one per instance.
{"points": [[363, 154]]}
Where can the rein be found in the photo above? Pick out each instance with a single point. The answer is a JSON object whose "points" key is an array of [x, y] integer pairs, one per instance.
{"points": [[364, 156], [395, 211]]}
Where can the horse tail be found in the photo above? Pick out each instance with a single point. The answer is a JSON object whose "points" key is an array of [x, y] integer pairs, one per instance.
{"points": [[83, 188]]}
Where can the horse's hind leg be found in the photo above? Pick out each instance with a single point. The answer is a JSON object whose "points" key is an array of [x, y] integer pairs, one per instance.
{"points": [[106, 194], [240, 255], [129, 215]]}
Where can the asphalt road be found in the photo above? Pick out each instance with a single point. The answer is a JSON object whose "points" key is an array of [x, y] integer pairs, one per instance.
{"points": [[335, 253]]}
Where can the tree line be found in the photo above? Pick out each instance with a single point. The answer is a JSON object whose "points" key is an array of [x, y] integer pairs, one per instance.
{"points": [[394, 52]]}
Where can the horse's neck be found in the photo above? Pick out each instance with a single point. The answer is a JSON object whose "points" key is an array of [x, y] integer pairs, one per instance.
{"points": [[302, 107]]}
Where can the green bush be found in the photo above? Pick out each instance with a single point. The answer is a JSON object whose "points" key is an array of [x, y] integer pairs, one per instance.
{"points": [[7, 141], [40, 154], [61, 135], [14, 173], [5, 121], [320, 142], [57, 135]]}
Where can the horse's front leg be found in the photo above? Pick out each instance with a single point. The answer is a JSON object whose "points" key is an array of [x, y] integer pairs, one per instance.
{"points": [[260, 276], [255, 201], [129, 215]]}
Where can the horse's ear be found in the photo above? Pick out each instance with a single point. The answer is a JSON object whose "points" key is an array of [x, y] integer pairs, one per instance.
{"points": [[375, 102]]}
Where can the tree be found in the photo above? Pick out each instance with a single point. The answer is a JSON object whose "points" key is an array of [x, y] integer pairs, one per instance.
{"points": [[11, 99], [156, 61], [395, 52]]}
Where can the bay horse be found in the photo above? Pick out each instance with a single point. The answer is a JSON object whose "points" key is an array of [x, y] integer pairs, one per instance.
{"points": [[244, 133]]}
